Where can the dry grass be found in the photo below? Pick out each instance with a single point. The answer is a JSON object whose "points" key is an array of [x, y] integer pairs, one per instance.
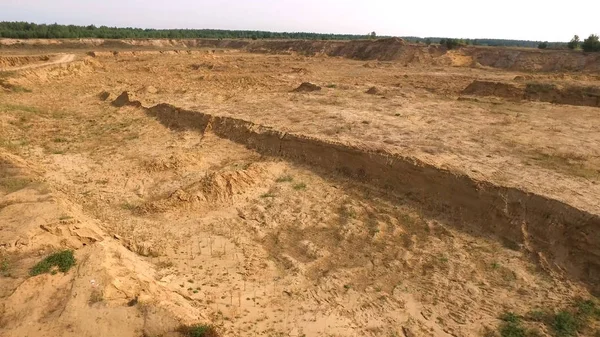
{"points": [[565, 163]]}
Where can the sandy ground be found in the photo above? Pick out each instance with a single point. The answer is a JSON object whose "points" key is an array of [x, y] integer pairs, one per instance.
{"points": [[198, 229]]}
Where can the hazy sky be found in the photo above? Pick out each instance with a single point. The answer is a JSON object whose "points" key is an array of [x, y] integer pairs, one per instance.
{"points": [[551, 20]]}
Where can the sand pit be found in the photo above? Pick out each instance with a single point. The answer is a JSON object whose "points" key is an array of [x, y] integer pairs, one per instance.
{"points": [[216, 196]]}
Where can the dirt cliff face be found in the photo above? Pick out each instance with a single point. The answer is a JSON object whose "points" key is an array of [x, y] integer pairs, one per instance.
{"points": [[541, 92]]}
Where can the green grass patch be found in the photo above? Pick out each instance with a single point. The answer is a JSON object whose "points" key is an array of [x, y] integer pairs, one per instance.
{"points": [[268, 195], [63, 260], [198, 330], [331, 86], [299, 186]]}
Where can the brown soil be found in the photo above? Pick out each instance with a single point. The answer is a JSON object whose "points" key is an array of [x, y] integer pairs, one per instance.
{"points": [[264, 212]]}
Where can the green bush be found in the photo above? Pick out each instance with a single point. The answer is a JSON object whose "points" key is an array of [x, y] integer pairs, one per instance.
{"points": [[511, 327], [565, 324], [198, 330], [543, 45], [591, 44], [574, 43], [64, 260]]}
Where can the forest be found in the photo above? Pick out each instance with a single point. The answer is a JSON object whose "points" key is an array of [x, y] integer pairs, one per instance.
{"points": [[26, 30]]}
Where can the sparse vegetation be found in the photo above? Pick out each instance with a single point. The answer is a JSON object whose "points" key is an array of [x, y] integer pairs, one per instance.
{"points": [[198, 330], [331, 86], [96, 296], [13, 184], [128, 206], [300, 186], [62, 260], [284, 179], [268, 195], [572, 321], [164, 264], [566, 163], [4, 268]]}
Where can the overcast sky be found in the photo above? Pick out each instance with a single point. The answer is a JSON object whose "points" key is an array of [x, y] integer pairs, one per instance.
{"points": [[511, 19]]}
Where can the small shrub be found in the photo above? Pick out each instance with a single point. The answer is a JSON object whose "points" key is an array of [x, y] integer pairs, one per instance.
{"points": [[508, 329], [64, 260], [511, 327], [543, 45], [536, 316], [331, 86], [268, 195], [591, 44], [198, 330], [564, 324], [510, 317], [587, 308]]}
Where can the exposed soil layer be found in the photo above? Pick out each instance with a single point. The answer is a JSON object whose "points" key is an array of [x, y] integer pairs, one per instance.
{"points": [[542, 92], [392, 49], [552, 231], [16, 61]]}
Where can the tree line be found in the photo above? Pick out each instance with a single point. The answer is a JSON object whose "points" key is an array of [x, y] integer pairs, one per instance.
{"points": [[26, 30]]}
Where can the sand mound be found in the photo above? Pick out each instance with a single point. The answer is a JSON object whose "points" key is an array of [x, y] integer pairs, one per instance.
{"points": [[217, 188], [113, 286], [374, 91], [307, 87], [125, 99]]}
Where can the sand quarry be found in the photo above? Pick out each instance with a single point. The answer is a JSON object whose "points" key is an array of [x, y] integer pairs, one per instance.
{"points": [[402, 190]]}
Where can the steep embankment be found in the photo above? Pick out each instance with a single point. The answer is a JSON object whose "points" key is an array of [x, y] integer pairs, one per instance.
{"points": [[543, 92], [558, 235], [392, 49], [19, 61]]}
